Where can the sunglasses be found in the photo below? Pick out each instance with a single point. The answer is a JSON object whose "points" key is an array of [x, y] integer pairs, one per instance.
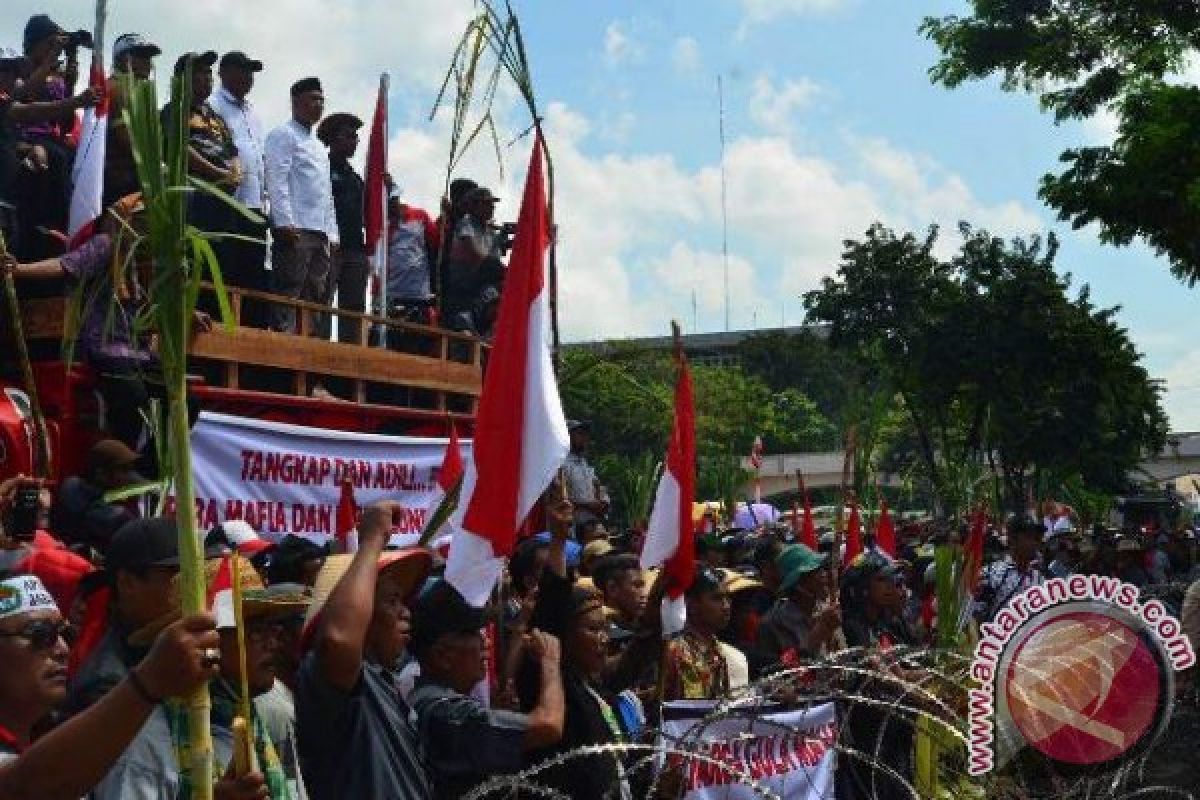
{"points": [[44, 634]]}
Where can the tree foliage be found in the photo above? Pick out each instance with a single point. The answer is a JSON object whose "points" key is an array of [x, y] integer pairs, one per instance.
{"points": [[1085, 56], [992, 362], [628, 398]]}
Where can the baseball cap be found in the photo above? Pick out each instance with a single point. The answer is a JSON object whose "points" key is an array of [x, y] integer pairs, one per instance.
{"points": [[442, 611], [148, 542], [39, 28], [236, 58], [205, 59], [132, 43], [108, 453]]}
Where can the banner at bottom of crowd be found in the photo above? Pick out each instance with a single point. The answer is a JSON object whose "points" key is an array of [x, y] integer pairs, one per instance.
{"points": [[751, 748], [283, 478]]}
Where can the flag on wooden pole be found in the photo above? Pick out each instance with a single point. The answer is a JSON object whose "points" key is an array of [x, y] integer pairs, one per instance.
{"points": [[670, 540], [521, 436], [375, 199], [446, 495]]}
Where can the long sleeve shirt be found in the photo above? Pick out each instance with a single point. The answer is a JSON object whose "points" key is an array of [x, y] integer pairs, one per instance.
{"points": [[249, 136], [298, 184]]}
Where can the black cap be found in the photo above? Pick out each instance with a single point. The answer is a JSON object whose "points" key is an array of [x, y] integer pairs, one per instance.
{"points": [[335, 122], [40, 28], [205, 59], [442, 611], [306, 85], [707, 580], [148, 542], [238, 59], [1025, 523]]}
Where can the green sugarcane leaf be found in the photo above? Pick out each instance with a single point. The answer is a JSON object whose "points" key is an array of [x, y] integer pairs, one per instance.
{"points": [[208, 258], [441, 514]]}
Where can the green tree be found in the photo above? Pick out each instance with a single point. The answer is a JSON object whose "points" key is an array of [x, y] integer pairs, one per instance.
{"points": [[1084, 56], [992, 363], [803, 361]]}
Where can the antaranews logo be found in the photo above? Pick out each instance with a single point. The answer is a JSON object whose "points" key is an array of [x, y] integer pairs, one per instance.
{"points": [[1077, 668]]}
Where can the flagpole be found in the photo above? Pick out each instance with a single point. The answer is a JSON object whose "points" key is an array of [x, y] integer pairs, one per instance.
{"points": [[41, 445]]}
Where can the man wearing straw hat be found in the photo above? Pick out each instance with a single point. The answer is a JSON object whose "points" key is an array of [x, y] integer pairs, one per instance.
{"points": [[355, 734], [150, 766]]}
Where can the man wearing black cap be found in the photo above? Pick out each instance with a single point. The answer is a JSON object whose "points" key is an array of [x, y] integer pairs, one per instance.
{"points": [[348, 276], [1019, 570], [465, 742], [245, 265], [303, 221], [132, 57], [45, 192], [474, 263]]}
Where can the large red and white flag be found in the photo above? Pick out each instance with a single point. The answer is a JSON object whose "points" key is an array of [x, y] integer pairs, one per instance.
{"points": [[670, 540], [375, 195], [521, 436], [87, 173]]}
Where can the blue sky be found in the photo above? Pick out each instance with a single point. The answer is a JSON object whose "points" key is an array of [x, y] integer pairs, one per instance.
{"points": [[831, 124]]}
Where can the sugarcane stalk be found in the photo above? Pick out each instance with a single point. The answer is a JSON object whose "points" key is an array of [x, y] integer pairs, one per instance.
{"points": [[41, 445], [191, 577]]}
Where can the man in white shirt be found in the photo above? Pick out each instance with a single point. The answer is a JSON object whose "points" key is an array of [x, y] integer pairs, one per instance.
{"points": [[303, 224], [245, 261]]}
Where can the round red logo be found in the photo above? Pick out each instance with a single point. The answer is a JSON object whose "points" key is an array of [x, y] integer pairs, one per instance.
{"points": [[1086, 686]]}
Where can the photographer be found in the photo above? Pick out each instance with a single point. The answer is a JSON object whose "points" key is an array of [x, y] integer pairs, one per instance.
{"points": [[475, 270], [47, 78], [26, 547]]}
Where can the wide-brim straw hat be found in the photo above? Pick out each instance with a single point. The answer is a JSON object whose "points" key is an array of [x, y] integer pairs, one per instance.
{"points": [[413, 564], [258, 602]]}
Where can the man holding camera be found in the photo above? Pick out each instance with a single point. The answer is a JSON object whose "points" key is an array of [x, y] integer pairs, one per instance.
{"points": [[48, 78]]}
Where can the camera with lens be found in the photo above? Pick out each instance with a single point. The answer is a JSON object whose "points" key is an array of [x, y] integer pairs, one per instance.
{"points": [[80, 38], [21, 521], [504, 237]]}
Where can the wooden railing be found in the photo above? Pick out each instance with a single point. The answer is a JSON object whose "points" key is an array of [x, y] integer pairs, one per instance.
{"points": [[445, 363]]}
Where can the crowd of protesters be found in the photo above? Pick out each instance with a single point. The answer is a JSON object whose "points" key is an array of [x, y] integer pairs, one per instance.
{"points": [[306, 238], [373, 677]]}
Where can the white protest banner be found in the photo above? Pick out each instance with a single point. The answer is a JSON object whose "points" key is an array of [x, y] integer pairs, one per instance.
{"points": [[789, 753], [287, 478]]}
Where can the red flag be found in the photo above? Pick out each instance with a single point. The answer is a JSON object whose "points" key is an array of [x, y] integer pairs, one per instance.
{"points": [[87, 174], [669, 539], [808, 529], [973, 551], [452, 464], [375, 194], [521, 436], [346, 522], [885, 531], [220, 594], [854, 545]]}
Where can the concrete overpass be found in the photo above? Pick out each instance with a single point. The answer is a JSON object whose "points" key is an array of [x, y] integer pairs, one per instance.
{"points": [[1179, 458]]}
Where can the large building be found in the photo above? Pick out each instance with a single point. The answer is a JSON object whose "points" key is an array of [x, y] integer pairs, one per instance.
{"points": [[705, 349]]}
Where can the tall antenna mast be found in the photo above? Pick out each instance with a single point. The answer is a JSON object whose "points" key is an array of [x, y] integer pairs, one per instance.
{"points": [[724, 206]]}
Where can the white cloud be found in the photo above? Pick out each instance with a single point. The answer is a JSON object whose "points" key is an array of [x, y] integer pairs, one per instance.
{"points": [[774, 107], [685, 55], [619, 46], [759, 11]]}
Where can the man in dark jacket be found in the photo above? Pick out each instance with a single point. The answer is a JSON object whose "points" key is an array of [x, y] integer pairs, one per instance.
{"points": [[81, 515]]}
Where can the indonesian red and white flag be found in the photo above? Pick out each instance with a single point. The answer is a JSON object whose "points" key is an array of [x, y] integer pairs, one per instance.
{"points": [[808, 528], [669, 537], [521, 436], [220, 594], [854, 545], [346, 521], [375, 193], [87, 174]]}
